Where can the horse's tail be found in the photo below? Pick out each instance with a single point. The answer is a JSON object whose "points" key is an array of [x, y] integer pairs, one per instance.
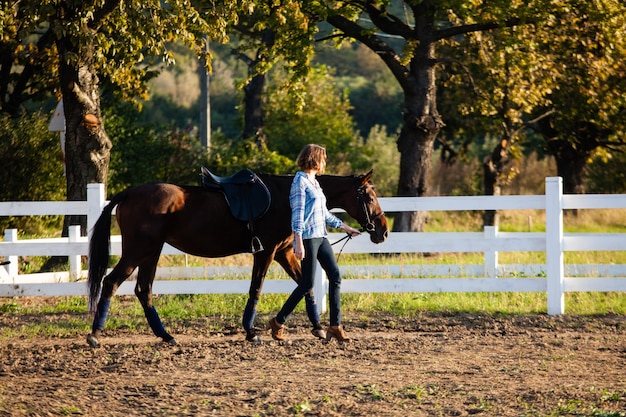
{"points": [[99, 249]]}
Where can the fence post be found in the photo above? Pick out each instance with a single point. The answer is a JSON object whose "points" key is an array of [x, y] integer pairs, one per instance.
{"points": [[95, 203], [10, 235], [554, 245], [75, 260], [491, 256]]}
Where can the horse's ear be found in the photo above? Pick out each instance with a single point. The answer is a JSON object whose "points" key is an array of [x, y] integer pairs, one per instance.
{"points": [[364, 179]]}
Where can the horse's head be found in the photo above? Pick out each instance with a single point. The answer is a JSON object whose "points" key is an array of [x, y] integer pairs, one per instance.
{"points": [[356, 195], [369, 214]]}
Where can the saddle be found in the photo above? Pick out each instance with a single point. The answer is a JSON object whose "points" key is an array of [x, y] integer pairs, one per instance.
{"points": [[246, 195]]}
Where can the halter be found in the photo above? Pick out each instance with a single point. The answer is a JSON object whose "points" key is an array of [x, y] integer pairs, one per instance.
{"points": [[369, 225], [369, 221]]}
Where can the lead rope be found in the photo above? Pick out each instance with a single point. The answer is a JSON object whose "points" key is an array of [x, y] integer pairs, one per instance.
{"points": [[347, 236]]}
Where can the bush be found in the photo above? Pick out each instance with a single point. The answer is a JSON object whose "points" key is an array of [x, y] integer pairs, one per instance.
{"points": [[147, 153], [314, 111], [227, 157], [379, 152], [32, 168], [606, 175]]}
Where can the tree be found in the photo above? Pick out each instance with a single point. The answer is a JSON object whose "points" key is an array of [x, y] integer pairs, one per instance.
{"points": [[587, 45], [422, 26], [254, 89], [276, 32], [508, 81], [314, 110], [28, 62], [86, 43]]}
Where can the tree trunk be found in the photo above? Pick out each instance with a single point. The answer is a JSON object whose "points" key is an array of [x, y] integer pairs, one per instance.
{"points": [[417, 137], [253, 108], [490, 187], [254, 91], [415, 145], [87, 146], [422, 121], [493, 166], [570, 165]]}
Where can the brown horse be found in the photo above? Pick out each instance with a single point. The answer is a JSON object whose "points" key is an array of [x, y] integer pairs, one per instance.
{"points": [[199, 222]]}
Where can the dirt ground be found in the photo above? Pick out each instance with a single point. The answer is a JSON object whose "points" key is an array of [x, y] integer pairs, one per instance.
{"points": [[428, 365]]}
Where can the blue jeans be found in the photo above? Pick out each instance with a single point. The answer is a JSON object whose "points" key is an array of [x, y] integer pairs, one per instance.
{"points": [[317, 249]]}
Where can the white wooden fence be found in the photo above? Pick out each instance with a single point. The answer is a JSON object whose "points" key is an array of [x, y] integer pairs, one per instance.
{"points": [[555, 277]]}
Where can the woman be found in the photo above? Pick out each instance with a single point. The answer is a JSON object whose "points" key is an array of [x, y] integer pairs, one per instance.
{"points": [[309, 217]]}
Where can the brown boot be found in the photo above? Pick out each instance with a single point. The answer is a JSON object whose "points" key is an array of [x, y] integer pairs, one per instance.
{"points": [[277, 330], [338, 333]]}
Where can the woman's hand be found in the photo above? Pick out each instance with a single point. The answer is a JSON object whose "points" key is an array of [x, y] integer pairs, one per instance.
{"points": [[298, 248], [350, 230]]}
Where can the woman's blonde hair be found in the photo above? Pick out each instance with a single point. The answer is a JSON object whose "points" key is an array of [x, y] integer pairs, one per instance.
{"points": [[311, 157]]}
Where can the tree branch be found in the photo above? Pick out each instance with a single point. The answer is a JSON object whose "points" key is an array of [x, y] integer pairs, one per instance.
{"points": [[389, 23], [478, 27], [533, 121], [101, 13], [21, 86], [386, 53]]}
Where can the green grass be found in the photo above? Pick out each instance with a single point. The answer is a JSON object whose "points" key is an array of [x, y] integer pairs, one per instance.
{"points": [[67, 316]]}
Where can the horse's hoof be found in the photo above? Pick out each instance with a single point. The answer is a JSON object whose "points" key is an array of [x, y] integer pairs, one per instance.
{"points": [[93, 341]]}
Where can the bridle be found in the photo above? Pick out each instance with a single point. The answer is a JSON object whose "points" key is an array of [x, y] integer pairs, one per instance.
{"points": [[369, 225], [369, 221]]}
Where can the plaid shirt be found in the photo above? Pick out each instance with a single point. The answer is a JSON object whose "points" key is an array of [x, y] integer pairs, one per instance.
{"points": [[309, 214]]}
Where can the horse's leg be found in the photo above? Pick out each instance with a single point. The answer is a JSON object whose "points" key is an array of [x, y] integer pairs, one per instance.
{"points": [[262, 261], [291, 265], [143, 291], [110, 284]]}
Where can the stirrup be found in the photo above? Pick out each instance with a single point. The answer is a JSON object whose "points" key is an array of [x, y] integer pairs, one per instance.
{"points": [[256, 245]]}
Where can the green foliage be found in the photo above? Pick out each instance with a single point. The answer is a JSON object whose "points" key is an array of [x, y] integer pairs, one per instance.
{"points": [[29, 62], [376, 99], [586, 44], [606, 174], [378, 153], [277, 33], [140, 32], [27, 148], [129, 38], [493, 88], [228, 157], [323, 119], [174, 93], [148, 153], [31, 167]]}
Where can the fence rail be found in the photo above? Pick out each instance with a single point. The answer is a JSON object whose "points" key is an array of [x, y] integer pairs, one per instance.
{"points": [[554, 277]]}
